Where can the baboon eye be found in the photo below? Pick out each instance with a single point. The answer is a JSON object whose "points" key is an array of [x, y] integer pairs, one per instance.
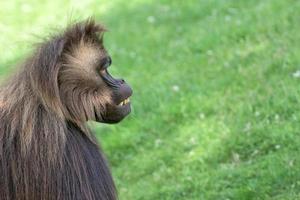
{"points": [[106, 65], [103, 65], [107, 62]]}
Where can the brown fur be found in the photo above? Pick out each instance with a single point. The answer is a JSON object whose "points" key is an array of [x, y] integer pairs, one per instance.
{"points": [[46, 150]]}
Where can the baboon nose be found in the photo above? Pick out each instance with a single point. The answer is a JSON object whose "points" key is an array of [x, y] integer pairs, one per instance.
{"points": [[121, 81]]}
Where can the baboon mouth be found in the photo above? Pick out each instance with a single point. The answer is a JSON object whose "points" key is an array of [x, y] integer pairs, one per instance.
{"points": [[121, 97], [120, 106], [115, 113], [124, 102]]}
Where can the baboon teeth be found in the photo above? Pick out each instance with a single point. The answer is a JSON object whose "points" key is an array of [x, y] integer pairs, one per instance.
{"points": [[124, 102]]}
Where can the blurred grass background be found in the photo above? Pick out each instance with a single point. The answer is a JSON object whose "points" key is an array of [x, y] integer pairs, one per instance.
{"points": [[216, 92]]}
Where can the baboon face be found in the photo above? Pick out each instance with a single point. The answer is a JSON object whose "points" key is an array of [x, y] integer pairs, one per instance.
{"points": [[120, 91], [87, 89]]}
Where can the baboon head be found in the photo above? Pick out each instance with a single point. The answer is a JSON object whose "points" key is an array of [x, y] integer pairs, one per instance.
{"points": [[87, 89], [77, 77]]}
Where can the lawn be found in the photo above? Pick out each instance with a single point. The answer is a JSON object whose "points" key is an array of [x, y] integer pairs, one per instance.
{"points": [[216, 105]]}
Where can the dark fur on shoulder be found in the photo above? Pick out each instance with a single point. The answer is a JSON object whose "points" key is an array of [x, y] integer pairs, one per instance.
{"points": [[46, 150]]}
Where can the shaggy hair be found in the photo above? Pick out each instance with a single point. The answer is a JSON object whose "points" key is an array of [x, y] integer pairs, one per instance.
{"points": [[46, 150]]}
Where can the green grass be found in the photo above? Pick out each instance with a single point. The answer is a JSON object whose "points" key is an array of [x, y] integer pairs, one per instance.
{"points": [[216, 101]]}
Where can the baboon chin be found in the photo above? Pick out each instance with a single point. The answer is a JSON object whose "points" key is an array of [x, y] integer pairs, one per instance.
{"points": [[46, 149]]}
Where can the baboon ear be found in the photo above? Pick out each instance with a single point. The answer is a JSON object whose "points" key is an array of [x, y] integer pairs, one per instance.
{"points": [[45, 66]]}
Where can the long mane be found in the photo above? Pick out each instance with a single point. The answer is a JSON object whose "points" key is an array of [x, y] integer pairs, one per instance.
{"points": [[36, 133], [31, 99]]}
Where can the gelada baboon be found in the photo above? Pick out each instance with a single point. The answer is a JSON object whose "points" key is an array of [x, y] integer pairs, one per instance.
{"points": [[46, 150]]}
